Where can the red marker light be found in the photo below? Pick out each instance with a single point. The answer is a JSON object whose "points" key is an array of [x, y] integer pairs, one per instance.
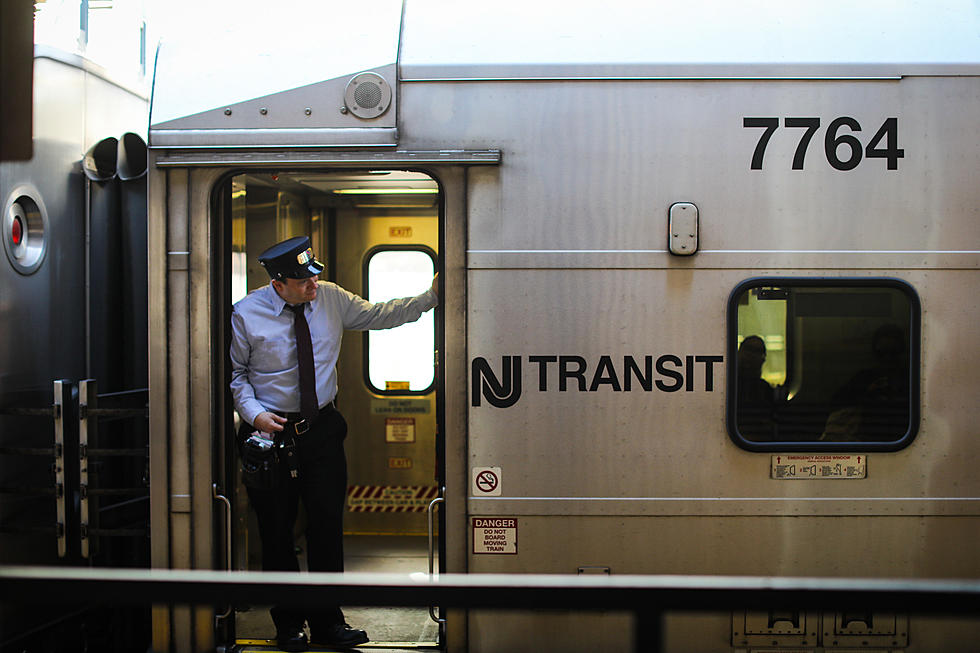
{"points": [[17, 231]]}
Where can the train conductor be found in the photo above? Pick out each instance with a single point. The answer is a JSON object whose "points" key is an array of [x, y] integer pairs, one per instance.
{"points": [[284, 350]]}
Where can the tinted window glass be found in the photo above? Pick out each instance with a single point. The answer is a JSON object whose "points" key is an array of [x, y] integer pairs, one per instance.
{"points": [[823, 364]]}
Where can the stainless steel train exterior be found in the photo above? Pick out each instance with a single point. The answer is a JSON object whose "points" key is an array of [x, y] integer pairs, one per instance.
{"points": [[71, 304], [620, 197]]}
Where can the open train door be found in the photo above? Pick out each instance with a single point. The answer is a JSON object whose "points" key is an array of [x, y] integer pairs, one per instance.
{"points": [[377, 232], [382, 232]]}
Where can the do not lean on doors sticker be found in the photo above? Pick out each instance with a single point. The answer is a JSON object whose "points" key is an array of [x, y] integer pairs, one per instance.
{"points": [[486, 482]]}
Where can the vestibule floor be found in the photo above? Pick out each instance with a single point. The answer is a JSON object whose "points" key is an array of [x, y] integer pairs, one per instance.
{"points": [[388, 628]]}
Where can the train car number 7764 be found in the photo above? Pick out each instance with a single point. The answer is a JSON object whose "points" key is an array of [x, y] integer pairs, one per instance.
{"points": [[883, 145]]}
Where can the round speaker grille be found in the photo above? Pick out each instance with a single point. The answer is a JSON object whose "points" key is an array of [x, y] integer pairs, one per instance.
{"points": [[367, 96]]}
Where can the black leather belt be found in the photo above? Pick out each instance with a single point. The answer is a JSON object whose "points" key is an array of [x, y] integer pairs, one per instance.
{"points": [[300, 425]]}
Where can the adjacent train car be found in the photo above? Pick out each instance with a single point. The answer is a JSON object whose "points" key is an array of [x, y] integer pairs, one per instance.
{"points": [[73, 317], [707, 295]]}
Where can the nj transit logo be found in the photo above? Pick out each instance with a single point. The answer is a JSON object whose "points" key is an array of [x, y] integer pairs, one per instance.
{"points": [[502, 394], [666, 373]]}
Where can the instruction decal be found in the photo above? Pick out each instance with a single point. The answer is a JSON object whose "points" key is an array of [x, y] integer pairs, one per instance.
{"points": [[399, 406], [382, 498], [495, 535], [400, 429], [834, 466]]}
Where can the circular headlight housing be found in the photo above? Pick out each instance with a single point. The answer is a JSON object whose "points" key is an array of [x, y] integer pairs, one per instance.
{"points": [[25, 223]]}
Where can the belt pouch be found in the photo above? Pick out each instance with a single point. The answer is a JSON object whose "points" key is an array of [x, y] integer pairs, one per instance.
{"points": [[262, 466]]}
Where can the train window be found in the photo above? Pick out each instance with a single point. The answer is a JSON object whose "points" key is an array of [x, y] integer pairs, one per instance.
{"points": [[400, 360], [823, 364]]}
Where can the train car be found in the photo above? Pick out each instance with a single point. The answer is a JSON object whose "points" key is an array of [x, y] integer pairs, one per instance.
{"points": [[706, 279], [73, 317]]}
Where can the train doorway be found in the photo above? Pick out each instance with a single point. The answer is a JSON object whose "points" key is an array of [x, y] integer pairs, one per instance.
{"points": [[377, 233]]}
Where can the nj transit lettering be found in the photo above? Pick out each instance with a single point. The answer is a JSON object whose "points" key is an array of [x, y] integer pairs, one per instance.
{"points": [[666, 373]]}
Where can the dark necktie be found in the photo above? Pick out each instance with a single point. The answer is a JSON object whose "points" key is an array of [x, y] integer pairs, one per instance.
{"points": [[308, 404]]}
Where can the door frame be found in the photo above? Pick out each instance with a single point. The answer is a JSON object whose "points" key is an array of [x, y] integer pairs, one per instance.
{"points": [[211, 208]]}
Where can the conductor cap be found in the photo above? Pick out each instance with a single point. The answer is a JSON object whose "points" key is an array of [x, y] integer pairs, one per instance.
{"points": [[291, 259]]}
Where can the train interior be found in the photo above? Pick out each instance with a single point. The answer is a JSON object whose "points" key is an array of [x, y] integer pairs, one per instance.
{"points": [[377, 234], [825, 364]]}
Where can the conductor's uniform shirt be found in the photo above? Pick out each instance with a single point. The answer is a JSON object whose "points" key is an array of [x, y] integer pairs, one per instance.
{"points": [[265, 371]]}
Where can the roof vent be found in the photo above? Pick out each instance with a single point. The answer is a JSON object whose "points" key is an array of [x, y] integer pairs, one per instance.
{"points": [[368, 95]]}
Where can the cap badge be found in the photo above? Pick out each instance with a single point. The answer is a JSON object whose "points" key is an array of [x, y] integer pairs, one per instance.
{"points": [[305, 257]]}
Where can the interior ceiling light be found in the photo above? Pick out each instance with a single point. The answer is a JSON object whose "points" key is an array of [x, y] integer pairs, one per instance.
{"points": [[386, 191]]}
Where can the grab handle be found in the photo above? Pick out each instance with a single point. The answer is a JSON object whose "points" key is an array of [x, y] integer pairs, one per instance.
{"points": [[224, 499], [431, 510]]}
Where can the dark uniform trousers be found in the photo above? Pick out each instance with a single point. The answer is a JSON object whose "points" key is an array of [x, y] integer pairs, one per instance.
{"points": [[322, 486]]}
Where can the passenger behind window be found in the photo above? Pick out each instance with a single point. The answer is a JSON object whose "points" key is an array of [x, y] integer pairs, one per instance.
{"points": [[755, 396], [874, 404]]}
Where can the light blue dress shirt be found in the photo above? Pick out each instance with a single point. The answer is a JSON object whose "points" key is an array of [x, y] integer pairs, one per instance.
{"points": [[265, 372]]}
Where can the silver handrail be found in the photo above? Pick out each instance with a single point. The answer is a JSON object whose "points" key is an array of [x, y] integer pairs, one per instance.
{"points": [[224, 499], [431, 510], [62, 397], [87, 399], [648, 597]]}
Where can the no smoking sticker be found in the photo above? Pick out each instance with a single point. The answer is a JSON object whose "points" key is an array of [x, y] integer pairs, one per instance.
{"points": [[486, 482]]}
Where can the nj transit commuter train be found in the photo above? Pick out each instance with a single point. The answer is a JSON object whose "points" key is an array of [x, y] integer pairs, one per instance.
{"points": [[708, 294]]}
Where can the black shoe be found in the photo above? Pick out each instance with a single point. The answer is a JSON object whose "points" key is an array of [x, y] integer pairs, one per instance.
{"points": [[340, 636], [292, 639]]}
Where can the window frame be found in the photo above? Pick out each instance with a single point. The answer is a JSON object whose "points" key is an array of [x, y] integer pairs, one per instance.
{"points": [[366, 358], [914, 354]]}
